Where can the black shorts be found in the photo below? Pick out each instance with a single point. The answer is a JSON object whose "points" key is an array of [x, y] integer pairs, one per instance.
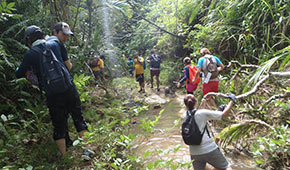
{"points": [[60, 107], [140, 78]]}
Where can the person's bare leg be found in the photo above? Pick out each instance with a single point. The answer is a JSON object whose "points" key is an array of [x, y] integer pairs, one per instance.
{"points": [[151, 81], [143, 86], [157, 82], [140, 85], [61, 146]]}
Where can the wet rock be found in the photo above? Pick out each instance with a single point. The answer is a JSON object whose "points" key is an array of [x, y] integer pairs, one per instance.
{"points": [[157, 107], [167, 91]]}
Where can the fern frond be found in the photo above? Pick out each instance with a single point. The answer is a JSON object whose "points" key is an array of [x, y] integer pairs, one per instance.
{"points": [[237, 131]]}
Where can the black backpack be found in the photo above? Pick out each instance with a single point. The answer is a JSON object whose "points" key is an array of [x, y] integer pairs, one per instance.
{"points": [[155, 61], [190, 132], [54, 76]]}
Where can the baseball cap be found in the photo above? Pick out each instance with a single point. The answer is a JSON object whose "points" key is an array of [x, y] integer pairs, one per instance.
{"points": [[29, 30], [64, 27]]}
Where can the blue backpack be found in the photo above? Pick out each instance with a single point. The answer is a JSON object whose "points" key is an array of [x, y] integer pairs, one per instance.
{"points": [[54, 76]]}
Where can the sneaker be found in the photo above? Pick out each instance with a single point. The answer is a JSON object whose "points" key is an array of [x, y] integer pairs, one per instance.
{"points": [[151, 87], [87, 154], [158, 89]]}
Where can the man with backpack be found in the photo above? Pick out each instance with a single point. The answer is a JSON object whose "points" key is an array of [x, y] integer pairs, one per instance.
{"points": [[97, 65], [49, 62], [202, 147], [210, 66], [155, 61], [189, 73]]}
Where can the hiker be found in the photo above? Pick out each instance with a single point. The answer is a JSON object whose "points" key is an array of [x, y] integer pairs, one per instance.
{"points": [[208, 151], [61, 104], [139, 66], [189, 74], [97, 66], [154, 61], [209, 77], [130, 64]]}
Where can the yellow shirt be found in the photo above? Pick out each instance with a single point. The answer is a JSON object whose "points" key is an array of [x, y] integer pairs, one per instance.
{"points": [[99, 66], [139, 66]]}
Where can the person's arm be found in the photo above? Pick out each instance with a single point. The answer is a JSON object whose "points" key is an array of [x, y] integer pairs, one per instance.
{"points": [[219, 64], [102, 67], [197, 74], [186, 75], [148, 59], [198, 67], [23, 67], [221, 67], [68, 64], [103, 74], [64, 56], [227, 110]]}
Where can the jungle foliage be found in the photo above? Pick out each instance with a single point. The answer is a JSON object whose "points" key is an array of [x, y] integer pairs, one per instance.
{"points": [[252, 32]]}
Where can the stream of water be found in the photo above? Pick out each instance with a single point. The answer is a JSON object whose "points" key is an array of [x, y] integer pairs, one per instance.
{"points": [[166, 143]]}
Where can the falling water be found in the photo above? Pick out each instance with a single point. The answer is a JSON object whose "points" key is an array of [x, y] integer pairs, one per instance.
{"points": [[109, 51]]}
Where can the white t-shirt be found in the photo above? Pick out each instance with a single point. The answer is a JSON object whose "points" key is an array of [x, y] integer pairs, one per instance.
{"points": [[207, 144]]}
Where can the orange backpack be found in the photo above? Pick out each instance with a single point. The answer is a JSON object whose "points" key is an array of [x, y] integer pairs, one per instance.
{"points": [[192, 73]]}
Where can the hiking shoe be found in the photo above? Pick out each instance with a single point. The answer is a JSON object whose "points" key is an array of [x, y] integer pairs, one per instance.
{"points": [[151, 87], [158, 89], [140, 90], [87, 154]]}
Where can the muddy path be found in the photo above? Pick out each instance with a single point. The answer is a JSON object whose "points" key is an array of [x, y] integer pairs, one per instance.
{"points": [[165, 143]]}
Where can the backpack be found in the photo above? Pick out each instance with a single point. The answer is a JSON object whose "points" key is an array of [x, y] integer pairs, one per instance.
{"points": [[192, 73], [190, 132], [54, 76], [93, 62], [155, 61], [210, 66]]}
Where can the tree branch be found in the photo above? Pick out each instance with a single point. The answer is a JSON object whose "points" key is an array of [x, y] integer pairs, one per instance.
{"points": [[150, 22], [278, 96], [255, 88], [161, 29], [242, 66]]}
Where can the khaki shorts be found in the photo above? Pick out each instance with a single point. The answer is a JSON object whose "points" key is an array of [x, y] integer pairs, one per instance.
{"points": [[216, 158]]}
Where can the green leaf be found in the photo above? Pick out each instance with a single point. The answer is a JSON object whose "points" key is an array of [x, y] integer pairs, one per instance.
{"points": [[4, 4], [11, 5], [194, 12], [114, 166], [150, 165], [146, 154]]}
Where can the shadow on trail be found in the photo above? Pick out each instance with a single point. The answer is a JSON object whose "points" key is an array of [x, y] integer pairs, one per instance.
{"points": [[165, 145]]}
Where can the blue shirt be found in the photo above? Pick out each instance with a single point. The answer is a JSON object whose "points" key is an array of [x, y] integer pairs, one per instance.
{"points": [[201, 60], [186, 74]]}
